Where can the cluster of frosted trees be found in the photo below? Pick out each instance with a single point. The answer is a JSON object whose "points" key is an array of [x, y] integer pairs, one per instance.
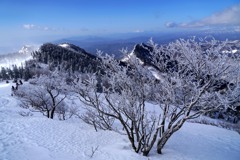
{"points": [[181, 84]]}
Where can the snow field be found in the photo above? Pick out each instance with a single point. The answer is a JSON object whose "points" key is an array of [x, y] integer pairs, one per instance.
{"points": [[38, 138]]}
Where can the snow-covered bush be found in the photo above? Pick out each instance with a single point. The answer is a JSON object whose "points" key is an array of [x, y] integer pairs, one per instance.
{"points": [[185, 84], [44, 94], [198, 85], [123, 97], [65, 111]]}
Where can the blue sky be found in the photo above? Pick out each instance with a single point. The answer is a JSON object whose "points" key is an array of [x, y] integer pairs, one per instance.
{"points": [[32, 21]]}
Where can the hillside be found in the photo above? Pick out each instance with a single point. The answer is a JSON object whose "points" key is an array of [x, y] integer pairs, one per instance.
{"points": [[66, 57], [37, 138], [17, 58]]}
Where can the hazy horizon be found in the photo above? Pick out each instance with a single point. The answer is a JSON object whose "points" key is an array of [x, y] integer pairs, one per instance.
{"points": [[35, 22]]}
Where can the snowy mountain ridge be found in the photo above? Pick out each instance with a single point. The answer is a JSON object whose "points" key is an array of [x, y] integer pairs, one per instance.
{"points": [[72, 48], [143, 52], [17, 58], [27, 49]]}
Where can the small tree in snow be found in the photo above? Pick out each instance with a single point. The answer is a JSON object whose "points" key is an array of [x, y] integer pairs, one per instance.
{"points": [[123, 97], [193, 86], [44, 94], [186, 85]]}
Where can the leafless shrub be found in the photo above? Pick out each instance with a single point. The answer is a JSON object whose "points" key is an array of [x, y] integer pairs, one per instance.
{"points": [[183, 85], [25, 114], [45, 96], [93, 151]]}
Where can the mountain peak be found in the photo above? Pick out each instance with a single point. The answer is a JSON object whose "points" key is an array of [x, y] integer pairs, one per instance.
{"points": [[27, 49], [72, 48]]}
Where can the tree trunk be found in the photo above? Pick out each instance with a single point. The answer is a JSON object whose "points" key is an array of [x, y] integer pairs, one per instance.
{"points": [[168, 134], [145, 153], [48, 114], [163, 141], [148, 149], [52, 113]]}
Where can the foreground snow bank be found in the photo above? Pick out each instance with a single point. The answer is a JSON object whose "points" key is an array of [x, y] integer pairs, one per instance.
{"points": [[38, 138]]}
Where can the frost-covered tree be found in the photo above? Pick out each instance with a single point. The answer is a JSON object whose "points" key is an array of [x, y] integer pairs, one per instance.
{"points": [[193, 84], [44, 94], [187, 79], [4, 74], [119, 95]]}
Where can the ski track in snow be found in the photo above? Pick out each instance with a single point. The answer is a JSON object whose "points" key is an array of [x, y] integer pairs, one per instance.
{"points": [[38, 138]]}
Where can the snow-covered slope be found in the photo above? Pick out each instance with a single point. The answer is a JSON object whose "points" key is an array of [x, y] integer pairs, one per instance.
{"points": [[17, 58], [38, 138], [73, 48]]}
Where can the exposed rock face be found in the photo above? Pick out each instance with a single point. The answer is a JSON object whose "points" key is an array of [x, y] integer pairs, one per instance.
{"points": [[144, 53]]}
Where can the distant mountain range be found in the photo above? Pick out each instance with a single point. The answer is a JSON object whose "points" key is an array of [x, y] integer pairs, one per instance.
{"points": [[114, 43]]}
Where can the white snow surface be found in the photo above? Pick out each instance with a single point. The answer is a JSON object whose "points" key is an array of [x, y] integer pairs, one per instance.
{"points": [[129, 56], [155, 73], [230, 51], [38, 138], [67, 46], [19, 57], [64, 45]]}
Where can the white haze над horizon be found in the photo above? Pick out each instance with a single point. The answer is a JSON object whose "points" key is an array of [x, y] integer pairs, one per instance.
{"points": [[17, 58]]}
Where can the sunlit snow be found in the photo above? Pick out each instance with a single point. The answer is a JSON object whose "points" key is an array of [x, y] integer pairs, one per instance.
{"points": [[17, 58], [230, 51], [129, 56], [154, 73], [38, 138], [3, 85], [64, 45]]}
